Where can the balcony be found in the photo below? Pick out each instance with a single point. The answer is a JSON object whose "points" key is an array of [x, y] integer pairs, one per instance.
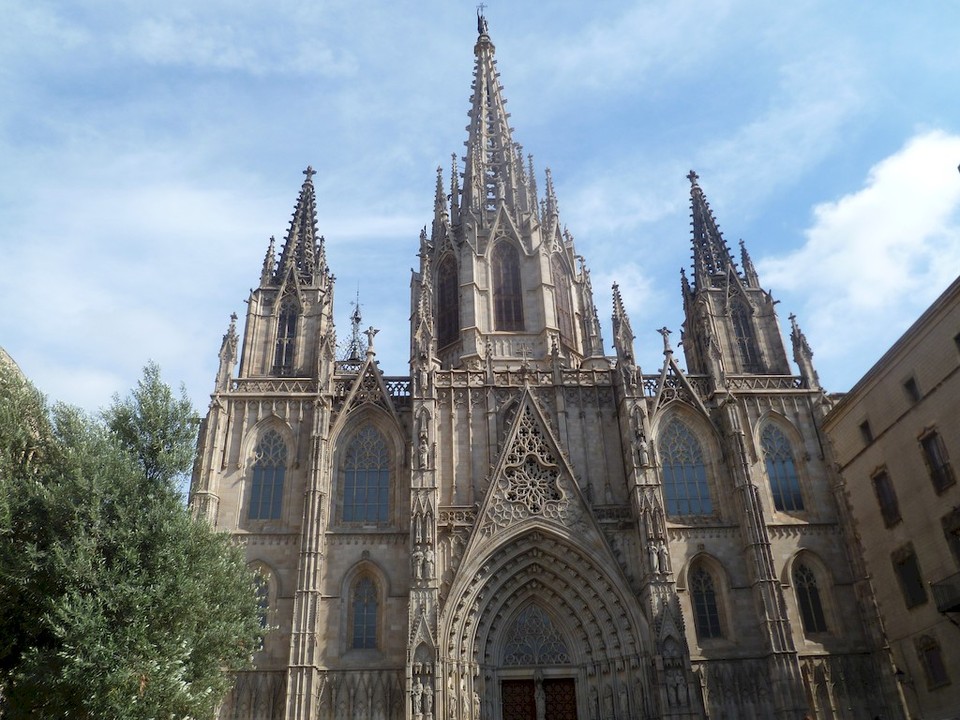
{"points": [[947, 593]]}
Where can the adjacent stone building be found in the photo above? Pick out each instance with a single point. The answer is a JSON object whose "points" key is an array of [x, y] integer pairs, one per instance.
{"points": [[894, 435], [523, 526]]}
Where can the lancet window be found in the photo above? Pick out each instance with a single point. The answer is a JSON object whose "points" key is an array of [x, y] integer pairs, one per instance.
{"points": [[685, 485], [366, 478], [808, 597], [706, 611], [448, 302], [507, 291], [269, 468], [746, 338], [364, 610], [781, 470], [562, 300], [283, 360]]}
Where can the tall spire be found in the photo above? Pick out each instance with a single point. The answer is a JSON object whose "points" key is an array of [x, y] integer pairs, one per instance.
{"points": [[711, 256], [301, 251], [493, 169]]}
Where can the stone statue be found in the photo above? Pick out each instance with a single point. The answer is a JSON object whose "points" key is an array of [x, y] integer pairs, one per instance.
{"points": [[429, 564], [417, 697], [423, 449], [417, 565]]}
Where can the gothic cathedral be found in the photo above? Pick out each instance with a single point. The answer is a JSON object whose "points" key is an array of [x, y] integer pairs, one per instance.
{"points": [[524, 527]]}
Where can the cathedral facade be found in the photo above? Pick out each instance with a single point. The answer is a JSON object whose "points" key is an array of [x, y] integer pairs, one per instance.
{"points": [[524, 527]]}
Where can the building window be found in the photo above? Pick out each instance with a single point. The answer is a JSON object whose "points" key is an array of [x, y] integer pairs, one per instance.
{"points": [[283, 360], [928, 650], [269, 467], [912, 390], [781, 469], [938, 464], [866, 432], [366, 478], [706, 612], [907, 569], [364, 609], [448, 302], [951, 531], [808, 598], [561, 295], [746, 338], [685, 484], [886, 497], [507, 294]]}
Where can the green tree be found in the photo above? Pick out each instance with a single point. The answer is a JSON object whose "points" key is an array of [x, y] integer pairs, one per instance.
{"points": [[114, 602]]}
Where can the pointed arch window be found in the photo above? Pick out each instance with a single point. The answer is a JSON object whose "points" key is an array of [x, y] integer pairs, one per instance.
{"points": [[685, 485], [448, 302], [746, 338], [507, 292], [283, 360], [269, 468], [706, 610], [364, 608], [781, 470], [562, 300], [366, 478], [808, 598]]}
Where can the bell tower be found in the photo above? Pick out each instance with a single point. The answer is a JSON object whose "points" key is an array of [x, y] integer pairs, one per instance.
{"points": [[730, 323], [292, 309], [505, 279]]}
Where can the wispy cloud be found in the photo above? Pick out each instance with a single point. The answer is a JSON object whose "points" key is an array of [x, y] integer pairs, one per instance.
{"points": [[879, 254]]}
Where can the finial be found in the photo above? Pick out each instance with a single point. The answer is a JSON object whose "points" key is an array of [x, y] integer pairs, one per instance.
{"points": [[309, 172], [482, 28], [667, 350], [353, 351], [692, 177], [370, 332]]}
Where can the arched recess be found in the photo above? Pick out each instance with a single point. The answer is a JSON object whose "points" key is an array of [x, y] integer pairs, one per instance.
{"points": [[448, 301], [346, 431], [364, 589], [702, 574], [810, 581], [268, 591], [685, 440], [588, 602], [280, 438], [745, 336], [507, 286], [285, 344], [563, 300], [779, 446]]}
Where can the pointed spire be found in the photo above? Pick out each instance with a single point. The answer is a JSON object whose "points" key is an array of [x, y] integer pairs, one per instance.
{"points": [[803, 355], [300, 250], [531, 175], [750, 277], [269, 263], [711, 256], [441, 221], [454, 190], [622, 332], [492, 169], [228, 355]]}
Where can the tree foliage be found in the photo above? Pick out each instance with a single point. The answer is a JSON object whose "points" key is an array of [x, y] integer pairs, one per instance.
{"points": [[114, 602]]}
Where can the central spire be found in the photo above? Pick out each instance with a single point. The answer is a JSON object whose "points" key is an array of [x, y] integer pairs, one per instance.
{"points": [[493, 166]]}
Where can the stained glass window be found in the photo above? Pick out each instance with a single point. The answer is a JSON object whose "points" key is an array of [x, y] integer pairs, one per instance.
{"points": [[781, 470], [706, 613], [269, 467], [366, 481], [364, 614], [685, 484], [808, 597], [507, 294]]}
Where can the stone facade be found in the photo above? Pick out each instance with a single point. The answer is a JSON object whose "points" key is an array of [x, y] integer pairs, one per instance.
{"points": [[524, 527], [896, 442]]}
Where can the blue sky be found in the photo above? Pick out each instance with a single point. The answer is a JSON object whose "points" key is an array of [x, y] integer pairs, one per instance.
{"points": [[148, 152]]}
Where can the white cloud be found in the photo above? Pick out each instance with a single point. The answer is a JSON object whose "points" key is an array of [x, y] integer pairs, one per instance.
{"points": [[875, 258]]}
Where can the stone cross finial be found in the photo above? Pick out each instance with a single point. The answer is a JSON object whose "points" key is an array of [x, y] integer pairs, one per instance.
{"points": [[309, 172], [692, 177]]}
